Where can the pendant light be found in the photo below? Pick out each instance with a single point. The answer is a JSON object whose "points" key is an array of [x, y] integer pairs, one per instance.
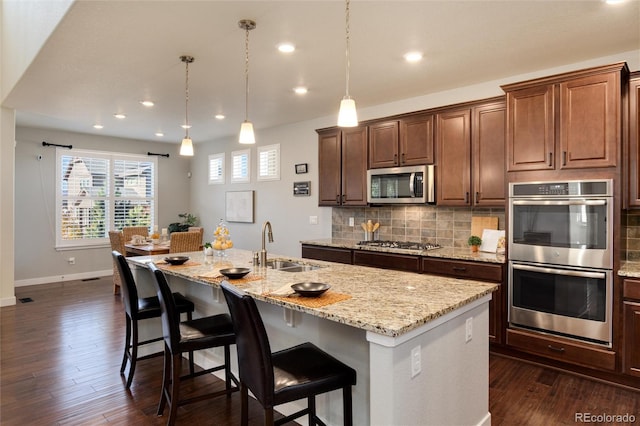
{"points": [[347, 116], [246, 129], [186, 148]]}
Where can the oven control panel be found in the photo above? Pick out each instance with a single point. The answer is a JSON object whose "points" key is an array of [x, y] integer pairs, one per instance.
{"points": [[577, 188]]}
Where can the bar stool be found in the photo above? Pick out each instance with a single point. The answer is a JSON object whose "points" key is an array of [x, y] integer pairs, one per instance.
{"points": [[302, 371], [137, 309], [188, 336]]}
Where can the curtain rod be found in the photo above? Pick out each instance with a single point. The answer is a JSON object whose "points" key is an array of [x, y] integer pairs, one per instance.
{"points": [[55, 144], [159, 155]]}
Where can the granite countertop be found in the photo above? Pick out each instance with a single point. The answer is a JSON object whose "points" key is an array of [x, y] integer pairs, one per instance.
{"points": [[444, 253], [386, 302], [629, 269]]}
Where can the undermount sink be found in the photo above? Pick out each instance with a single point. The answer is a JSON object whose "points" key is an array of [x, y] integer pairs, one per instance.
{"points": [[290, 266]]}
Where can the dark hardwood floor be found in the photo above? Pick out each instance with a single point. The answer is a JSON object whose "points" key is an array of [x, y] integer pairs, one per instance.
{"points": [[61, 353]]}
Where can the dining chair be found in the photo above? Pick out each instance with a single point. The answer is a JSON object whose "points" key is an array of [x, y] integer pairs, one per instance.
{"points": [[130, 231], [180, 242], [188, 336], [117, 243], [137, 309], [302, 371], [199, 229]]}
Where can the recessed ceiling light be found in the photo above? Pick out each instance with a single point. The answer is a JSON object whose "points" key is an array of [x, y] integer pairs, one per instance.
{"points": [[300, 90], [98, 126], [148, 104], [159, 134], [219, 116], [186, 126], [120, 116], [286, 47], [413, 57], [614, 1]]}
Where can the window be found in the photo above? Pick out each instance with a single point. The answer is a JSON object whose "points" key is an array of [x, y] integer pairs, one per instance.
{"points": [[269, 162], [99, 191], [216, 168], [240, 162]]}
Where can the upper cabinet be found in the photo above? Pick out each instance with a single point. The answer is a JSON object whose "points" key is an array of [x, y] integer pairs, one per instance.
{"points": [[567, 121], [634, 140], [342, 162], [404, 142], [470, 155]]}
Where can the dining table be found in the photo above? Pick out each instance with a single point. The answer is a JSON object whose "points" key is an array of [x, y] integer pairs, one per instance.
{"points": [[146, 249]]}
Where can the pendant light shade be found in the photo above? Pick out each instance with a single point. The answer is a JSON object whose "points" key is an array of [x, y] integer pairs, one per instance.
{"points": [[186, 147], [246, 129], [347, 115], [246, 133]]}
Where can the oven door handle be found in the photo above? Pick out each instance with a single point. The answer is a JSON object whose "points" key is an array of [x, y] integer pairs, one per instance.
{"points": [[559, 202], [570, 272]]}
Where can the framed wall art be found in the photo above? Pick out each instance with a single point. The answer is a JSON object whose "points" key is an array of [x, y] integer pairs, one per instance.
{"points": [[239, 206]]}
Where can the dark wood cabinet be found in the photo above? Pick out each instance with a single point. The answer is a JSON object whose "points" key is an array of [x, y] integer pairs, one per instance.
{"points": [[416, 140], [404, 142], [631, 327], [342, 162], [634, 141], [567, 121], [329, 254], [453, 158], [475, 271], [383, 145], [471, 155], [397, 262], [488, 154]]}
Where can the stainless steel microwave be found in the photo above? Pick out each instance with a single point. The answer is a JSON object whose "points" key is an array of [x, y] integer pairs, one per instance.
{"points": [[401, 185]]}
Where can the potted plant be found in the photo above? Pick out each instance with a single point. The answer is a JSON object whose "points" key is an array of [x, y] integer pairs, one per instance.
{"points": [[187, 220], [208, 249], [474, 241]]}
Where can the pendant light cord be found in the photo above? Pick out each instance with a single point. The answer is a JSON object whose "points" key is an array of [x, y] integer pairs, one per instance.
{"points": [[246, 75], [347, 51], [187, 60]]}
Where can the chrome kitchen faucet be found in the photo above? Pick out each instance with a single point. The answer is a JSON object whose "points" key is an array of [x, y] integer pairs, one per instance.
{"points": [[263, 252]]}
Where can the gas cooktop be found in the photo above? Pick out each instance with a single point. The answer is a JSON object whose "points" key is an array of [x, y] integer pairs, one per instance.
{"points": [[406, 245]]}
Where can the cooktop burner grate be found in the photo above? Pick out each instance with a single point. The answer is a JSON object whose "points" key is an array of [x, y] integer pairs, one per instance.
{"points": [[406, 245]]}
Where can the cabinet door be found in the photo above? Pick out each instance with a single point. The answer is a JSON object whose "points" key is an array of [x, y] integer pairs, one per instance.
{"points": [[631, 338], [488, 124], [453, 183], [354, 166], [383, 145], [416, 140], [329, 163], [634, 141], [589, 121], [530, 128]]}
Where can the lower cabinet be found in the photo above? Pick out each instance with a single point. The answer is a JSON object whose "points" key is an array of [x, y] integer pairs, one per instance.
{"points": [[397, 262], [631, 327], [329, 254], [475, 271]]}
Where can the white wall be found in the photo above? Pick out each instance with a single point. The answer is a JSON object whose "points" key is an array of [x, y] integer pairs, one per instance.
{"points": [[36, 259]]}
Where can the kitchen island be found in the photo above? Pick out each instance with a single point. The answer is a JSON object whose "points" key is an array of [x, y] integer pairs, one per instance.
{"points": [[419, 343]]}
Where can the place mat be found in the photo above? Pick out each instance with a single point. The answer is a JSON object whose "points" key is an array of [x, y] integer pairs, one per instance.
{"points": [[164, 264], [325, 299], [217, 279]]}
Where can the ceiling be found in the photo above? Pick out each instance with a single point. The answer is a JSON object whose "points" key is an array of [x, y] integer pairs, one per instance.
{"points": [[106, 56]]}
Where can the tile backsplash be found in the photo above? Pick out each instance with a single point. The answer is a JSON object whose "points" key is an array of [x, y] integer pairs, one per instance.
{"points": [[447, 226], [631, 232]]}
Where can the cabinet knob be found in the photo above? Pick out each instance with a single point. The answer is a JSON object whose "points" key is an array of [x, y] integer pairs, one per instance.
{"points": [[338, 198], [551, 159], [404, 160], [555, 348], [395, 158]]}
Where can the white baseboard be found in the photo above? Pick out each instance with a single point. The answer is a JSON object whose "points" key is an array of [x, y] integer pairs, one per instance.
{"points": [[7, 301], [60, 278]]}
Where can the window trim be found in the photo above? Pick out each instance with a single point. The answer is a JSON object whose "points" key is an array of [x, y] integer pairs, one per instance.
{"points": [[267, 149], [217, 180], [111, 156], [240, 179]]}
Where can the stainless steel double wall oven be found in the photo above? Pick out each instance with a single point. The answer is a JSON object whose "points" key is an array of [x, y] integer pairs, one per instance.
{"points": [[561, 258]]}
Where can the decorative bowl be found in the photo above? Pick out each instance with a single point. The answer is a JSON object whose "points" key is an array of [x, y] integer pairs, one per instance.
{"points": [[176, 260], [235, 273], [310, 289]]}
